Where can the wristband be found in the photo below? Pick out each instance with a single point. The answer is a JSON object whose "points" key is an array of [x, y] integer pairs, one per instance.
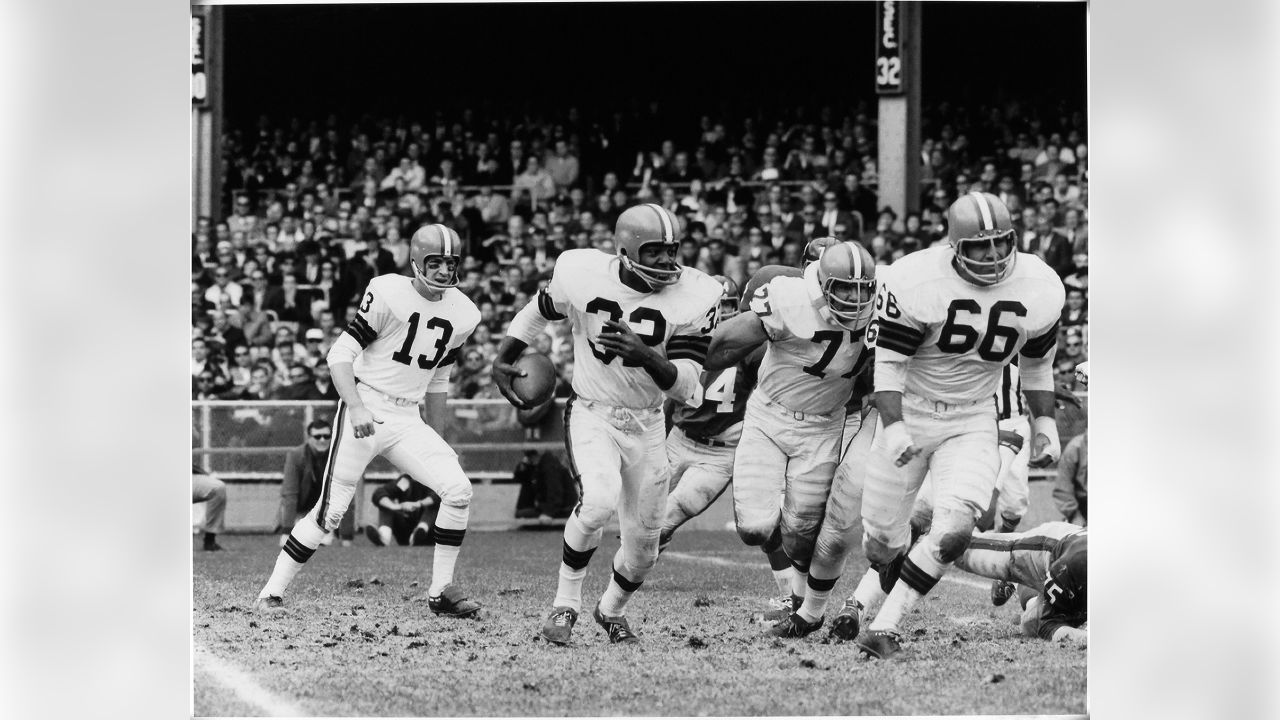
{"points": [[1047, 426]]}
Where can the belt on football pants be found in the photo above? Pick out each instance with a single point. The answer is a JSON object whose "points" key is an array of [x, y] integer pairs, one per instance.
{"points": [[707, 441], [402, 402], [778, 408]]}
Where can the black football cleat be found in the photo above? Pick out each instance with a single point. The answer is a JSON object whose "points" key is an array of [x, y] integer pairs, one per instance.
{"points": [[559, 625], [794, 626], [269, 604], [617, 627], [452, 603], [879, 644], [782, 608], [1001, 591], [848, 621]]}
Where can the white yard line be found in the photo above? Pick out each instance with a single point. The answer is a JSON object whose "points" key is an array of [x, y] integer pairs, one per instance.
{"points": [[244, 686], [957, 579]]}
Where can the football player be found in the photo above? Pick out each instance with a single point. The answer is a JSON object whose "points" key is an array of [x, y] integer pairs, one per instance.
{"points": [[813, 327], [947, 320], [703, 440], [396, 353], [641, 325]]}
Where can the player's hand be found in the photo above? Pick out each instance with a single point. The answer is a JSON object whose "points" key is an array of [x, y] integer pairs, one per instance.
{"points": [[1077, 637], [502, 374], [619, 338], [901, 447], [363, 420]]}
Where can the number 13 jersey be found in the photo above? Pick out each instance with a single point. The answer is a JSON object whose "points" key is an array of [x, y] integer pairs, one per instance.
{"points": [[958, 335], [410, 343], [676, 321]]}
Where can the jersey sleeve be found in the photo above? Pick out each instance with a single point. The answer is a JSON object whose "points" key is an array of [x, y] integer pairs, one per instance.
{"points": [[372, 315], [553, 300], [763, 306], [898, 331], [690, 340]]}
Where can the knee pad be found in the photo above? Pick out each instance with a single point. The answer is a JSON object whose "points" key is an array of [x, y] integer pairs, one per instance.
{"points": [[877, 552], [643, 557], [755, 536], [456, 494], [952, 545], [593, 517]]}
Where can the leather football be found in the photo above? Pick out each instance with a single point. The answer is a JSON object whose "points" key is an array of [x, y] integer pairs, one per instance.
{"points": [[539, 382]]}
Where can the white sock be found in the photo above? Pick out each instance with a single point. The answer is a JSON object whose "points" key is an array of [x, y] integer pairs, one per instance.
{"points": [[579, 539], [384, 532], [451, 525], [302, 541], [904, 596], [799, 582], [868, 591], [614, 600], [815, 603]]}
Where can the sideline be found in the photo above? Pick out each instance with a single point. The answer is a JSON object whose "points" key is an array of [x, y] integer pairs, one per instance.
{"points": [[949, 577], [243, 685]]}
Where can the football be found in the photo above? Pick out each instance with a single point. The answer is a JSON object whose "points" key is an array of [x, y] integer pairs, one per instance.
{"points": [[539, 381]]}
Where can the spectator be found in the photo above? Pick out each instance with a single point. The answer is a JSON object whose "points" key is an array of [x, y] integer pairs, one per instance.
{"points": [[207, 488], [546, 489], [258, 292], [1080, 278], [299, 385], [224, 333], [261, 385], [1071, 489], [562, 166], [203, 387], [833, 216], [204, 359], [322, 382], [1074, 232], [1075, 312], [536, 181], [1072, 349], [241, 367], [224, 294], [1051, 247], [406, 513], [494, 209], [290, 303], [303, 472]]}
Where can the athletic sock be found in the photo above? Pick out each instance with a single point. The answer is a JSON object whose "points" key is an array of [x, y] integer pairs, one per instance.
{"points": [[450, 529], [614, 600], [869, 592], [298, 549], [799, 580], [579, 545], [780, 565], [920, 572], [817, 592]]}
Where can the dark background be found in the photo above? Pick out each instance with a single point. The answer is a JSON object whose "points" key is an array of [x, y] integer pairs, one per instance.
{"points": [[308, 61]]}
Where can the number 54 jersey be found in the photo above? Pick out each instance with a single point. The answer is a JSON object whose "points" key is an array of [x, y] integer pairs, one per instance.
{"points": [[409, 342], [676, 321], [959, 335]]}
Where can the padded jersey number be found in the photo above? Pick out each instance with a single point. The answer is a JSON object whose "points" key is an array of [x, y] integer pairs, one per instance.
{"points": [[404, 356], [957, 337], [613, 311], [721, 390]]}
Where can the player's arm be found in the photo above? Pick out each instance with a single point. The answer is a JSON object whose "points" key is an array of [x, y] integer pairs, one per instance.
{"points": [[549, 305], [1035, 367], [619, 338], [735, 340], [363, 329], [898, 337]]}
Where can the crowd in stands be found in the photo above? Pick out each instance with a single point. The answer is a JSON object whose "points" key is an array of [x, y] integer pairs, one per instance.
{"points": [[315, 210]]}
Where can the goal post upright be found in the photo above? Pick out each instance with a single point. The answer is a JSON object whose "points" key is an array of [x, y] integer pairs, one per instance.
{"points": [[898, 87]]}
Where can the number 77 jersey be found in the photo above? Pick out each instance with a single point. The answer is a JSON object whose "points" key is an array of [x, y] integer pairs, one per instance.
{"points": [[957, 335]]}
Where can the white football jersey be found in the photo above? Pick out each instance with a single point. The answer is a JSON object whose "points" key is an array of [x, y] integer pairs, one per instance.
{"points": [[675, 320], [958, 335], [810, 362], [410, 343]]}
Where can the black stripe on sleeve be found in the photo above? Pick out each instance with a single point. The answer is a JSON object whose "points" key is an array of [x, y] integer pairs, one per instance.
{"points": [[548, 307], [451, 357], [360, 330], [898, 338], [1038, 347], [685, 347]]}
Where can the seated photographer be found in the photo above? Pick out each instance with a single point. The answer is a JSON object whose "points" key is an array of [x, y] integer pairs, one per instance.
{"points": [[406, 513]]}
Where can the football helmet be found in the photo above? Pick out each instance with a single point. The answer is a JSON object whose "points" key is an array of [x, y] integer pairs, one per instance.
{"points": [[729, 304], [814, 249], [981, 219], [1082, 375], [431, 241], [848, 264], [639, 226]]}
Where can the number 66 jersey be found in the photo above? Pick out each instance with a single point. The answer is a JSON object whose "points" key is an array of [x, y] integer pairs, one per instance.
{"points": [[959, 335], [409, 342]]}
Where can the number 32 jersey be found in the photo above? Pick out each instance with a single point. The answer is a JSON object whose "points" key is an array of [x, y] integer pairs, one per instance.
{"points": [[410, 343], [811, 362], [958, 335], [676, 321]]}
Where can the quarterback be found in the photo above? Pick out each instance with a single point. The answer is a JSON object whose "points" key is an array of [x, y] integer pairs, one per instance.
{"points": [[641, 324], [948, 319], [792, 431], [400, 346]]}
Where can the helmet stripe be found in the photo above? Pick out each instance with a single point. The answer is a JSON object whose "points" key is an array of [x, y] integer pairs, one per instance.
{"points": [[988, 223], [668, 235], [855, 259], [445, 240]]}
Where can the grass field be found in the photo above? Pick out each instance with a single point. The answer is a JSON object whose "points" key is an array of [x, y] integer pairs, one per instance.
{"points": [[356, 641]]}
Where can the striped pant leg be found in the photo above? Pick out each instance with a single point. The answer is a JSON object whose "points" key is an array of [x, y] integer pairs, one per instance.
{"points": [[843, 519], [348, 458], [888, 495], [990, 555]]}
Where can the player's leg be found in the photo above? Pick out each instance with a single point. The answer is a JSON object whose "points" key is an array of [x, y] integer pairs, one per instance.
{"points": [[641, 505], [348, 457], [964, 468], [706, 473], [594, 461], [759, 476], [1014, 493], [427, 458], [209, 489]]}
